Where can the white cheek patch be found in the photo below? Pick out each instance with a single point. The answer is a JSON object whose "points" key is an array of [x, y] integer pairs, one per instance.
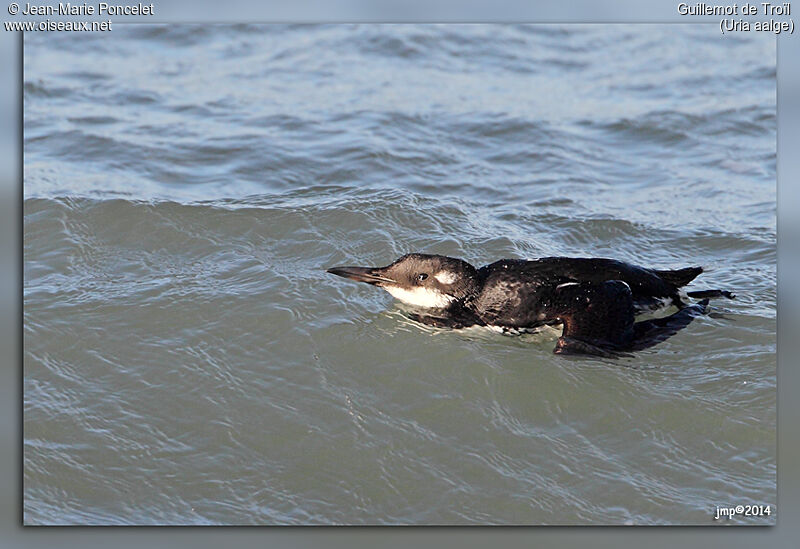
{"points": [[444, 277], [421, 297]]}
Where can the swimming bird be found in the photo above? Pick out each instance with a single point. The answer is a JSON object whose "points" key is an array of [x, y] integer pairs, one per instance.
{"points": [[595, 299]]}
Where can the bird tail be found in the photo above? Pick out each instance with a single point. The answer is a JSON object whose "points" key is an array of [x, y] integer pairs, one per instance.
{"points": [[680, 277], [711, 293]]}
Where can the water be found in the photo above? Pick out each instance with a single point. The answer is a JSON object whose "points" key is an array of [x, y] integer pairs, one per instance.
{"points": [[188, 361]]}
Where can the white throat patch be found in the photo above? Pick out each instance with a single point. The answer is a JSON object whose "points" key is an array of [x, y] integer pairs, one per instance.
{"points": [[421, 297]]}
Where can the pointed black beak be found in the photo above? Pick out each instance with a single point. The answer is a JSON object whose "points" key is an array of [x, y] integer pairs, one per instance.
{"points": [[362, 274]]}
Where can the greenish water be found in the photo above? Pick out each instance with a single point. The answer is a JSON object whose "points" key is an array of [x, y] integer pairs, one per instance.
{"points": [[188, 361]]}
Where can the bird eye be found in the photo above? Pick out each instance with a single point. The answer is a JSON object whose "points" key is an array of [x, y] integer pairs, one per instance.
{"points": [[422, 276]]}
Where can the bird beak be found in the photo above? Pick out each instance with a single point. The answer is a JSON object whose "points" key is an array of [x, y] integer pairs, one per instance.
{"points": [[362, 274]]}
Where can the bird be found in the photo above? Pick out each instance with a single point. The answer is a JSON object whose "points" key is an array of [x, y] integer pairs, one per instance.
{"points": [[595, 300]]}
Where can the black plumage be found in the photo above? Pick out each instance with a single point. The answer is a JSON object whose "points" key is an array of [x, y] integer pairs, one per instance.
{"points": [[595, 299]]}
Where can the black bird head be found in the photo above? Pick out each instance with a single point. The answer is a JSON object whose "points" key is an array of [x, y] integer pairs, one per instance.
{"points": [[433, 281]]}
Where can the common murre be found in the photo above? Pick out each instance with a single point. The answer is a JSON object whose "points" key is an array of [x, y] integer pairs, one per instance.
{"points": [[596, 300]]}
